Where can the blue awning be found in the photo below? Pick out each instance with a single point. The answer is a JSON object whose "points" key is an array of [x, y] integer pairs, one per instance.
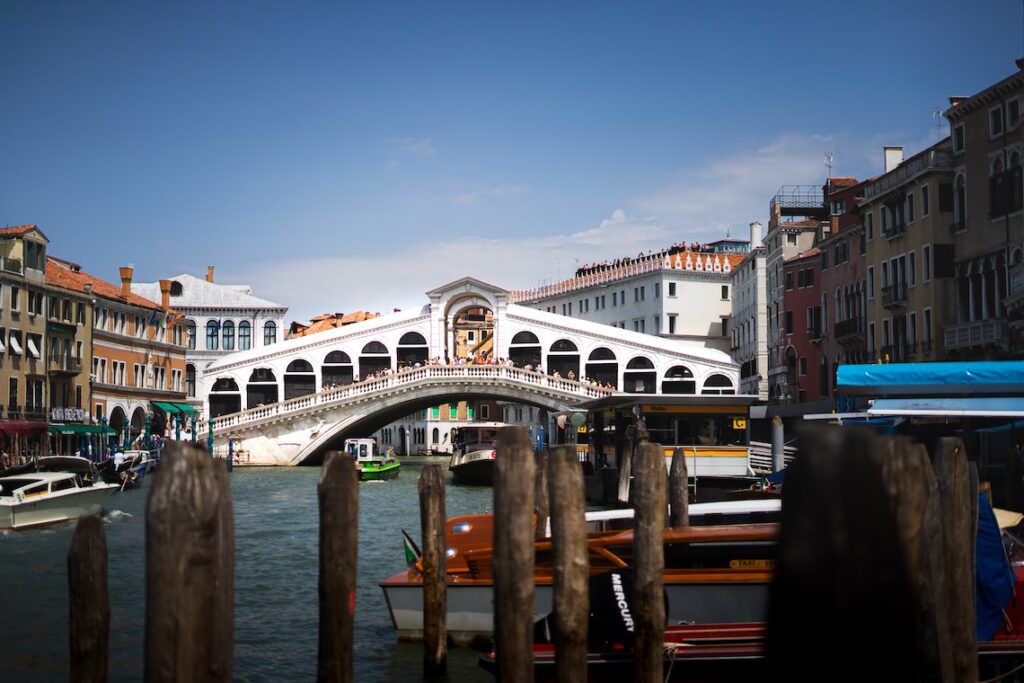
{"points": [[999, 407], [932, 379]]}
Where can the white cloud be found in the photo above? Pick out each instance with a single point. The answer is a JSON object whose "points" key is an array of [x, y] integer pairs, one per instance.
{"points": [[399, 277], [476, 194], [413, 146], [735, 189]]}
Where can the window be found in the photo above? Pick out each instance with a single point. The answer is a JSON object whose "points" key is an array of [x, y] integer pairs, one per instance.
{"points": [[641, 293], [657, 290], [912, 268], [212, 336], [958, 138], [227, 335], [191, 326], [803, 365], [789, 322], [190, 380], [435, 412], [672, 323], [725, 292], [789, 281], [926, 332], [912, 328], [910, 207], [791, 239], [924, 201], [1013, 113], [12, 395], [959, 203], [453, 411], [671, 289], [869, 224], [995, 121], [871, 337], [15, 298], [269, 333], [485, 411], [871, 282], [615, 298]]}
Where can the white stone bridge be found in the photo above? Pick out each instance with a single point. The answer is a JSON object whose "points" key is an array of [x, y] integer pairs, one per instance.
{"points": [[302, 396]]}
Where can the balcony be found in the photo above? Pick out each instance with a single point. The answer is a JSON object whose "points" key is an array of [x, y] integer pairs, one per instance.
{"points": [[905, 172], [894, 230], [11, 265], [894, 295], [35, 412], [814, 333], [849, 330], [64, 365], [979, 333], [957, 227], [14, 412]]}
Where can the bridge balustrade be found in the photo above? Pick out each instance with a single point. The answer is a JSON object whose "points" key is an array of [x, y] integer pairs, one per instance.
{"points": [[378, 385]]}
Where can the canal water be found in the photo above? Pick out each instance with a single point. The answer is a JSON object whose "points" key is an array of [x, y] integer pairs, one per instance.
{"points": [[276, 603]]}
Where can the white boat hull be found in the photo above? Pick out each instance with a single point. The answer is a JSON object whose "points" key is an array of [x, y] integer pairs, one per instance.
{"points": [[54, 508], [471, 607]]}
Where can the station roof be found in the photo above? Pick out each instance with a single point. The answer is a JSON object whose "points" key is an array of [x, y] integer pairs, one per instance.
{"points": [[933, 379]]}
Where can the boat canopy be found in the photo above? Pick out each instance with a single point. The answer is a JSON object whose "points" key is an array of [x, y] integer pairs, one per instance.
{"points": [[932, 379], [974, 406]]}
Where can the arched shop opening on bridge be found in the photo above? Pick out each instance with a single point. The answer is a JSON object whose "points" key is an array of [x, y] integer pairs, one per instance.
{"points": [[225, 397], [679, 380], [603, 367], [412, 349], [299, 379], [337, 369], [640, 376], [564, 358], [524, 350], [261, 389], [374, 358]]}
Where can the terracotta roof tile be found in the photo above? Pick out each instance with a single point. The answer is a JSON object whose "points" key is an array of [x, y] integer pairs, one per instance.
{"points": [[59, 275], [21, 230], [328, 321]]}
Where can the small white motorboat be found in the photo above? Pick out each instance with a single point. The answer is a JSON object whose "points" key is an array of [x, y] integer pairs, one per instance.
{"points": [[33, 499]]}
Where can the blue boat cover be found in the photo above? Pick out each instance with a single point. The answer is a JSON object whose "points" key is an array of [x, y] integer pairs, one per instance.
{"points": [[937, 379], [976, 406], [995, 576]]}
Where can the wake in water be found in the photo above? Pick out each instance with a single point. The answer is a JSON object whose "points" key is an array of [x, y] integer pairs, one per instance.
{"points": [[114, 516]]}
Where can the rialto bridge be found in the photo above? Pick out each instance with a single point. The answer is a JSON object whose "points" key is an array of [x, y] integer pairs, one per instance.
{"points": [[289, 402]]}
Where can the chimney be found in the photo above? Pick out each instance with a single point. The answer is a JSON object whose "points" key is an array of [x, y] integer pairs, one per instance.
{"points": [[893, 157], [165, 293], [209, 273], [755, 235], [126, 280], [88, 288]]}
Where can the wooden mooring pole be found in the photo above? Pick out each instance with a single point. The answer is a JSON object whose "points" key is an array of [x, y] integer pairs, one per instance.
{"points": [[569, 550], [514, 482], [435, 597], [540, 494], [648, 572], [190, 548], [338, 494], [88, 602], [679, 491]]}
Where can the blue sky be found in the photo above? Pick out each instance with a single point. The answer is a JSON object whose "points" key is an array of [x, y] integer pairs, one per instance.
{"points": [[343, 156]]}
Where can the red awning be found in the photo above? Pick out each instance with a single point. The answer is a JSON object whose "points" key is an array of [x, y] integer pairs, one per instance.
{"points": [[23, 428]]}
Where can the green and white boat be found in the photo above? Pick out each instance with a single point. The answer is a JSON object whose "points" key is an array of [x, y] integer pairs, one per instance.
{"points": [[371, 464]]}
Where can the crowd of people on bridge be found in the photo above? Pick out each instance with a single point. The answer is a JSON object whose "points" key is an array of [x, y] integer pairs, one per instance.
{"points": [[612, 264]]}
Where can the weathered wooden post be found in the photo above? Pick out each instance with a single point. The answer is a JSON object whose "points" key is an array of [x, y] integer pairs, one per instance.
{"points": [[540, 494], [338, 494], [679, 491], [569, 550], [648, 572], [88, 601], [514, 478], [190, 558], [958, 510], [435, 598]]}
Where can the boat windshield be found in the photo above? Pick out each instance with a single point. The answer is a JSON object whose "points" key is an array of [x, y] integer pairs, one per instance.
{"points": [[478, 438], [11, 484], [360, 449]]}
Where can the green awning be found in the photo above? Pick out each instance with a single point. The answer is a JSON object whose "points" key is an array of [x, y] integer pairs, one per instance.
{"points": [[81, 430], [175, 408]]}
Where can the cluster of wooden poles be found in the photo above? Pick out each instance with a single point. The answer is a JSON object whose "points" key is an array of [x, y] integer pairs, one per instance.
{"points": [[842, 496]]}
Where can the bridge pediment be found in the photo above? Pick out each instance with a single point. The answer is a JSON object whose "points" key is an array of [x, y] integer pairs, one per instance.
{"points": [[466, 285]]}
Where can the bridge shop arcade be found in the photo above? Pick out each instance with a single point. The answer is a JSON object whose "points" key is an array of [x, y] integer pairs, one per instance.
{"points": [[712, 431]]}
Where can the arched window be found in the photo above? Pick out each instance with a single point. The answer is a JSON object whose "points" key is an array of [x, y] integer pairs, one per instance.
{"points": [[244, 336], [375, 347], [224, 397], [191, 326], [525, 338], [603, 367], [337, 357], [563, 346], [211, 335], [412, 349], [524, 349], [436, 435], [299, 379], [639, 363], [602, 353], [299, 365], [412, 339], [564, 358], [639, 376], [224, 384], [718, 384], [269, 333], [227, 334], [337, 369], [679, 380], [374, 358], [262, 388]]}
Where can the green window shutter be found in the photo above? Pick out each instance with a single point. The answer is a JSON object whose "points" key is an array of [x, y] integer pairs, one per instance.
{"points": [[453, 411], [435, 412], [470, 411]]}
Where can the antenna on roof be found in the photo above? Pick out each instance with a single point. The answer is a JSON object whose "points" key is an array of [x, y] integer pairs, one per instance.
{"points": [[828, 163], [937, 115]]}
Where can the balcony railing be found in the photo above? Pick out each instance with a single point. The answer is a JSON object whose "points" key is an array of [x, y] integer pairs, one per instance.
{"points": [[979, 333], [894, 230], [894, 295], [935, 159], [35, 412], [814, 333], [11, 265], [957, 226], [848, 330], [64, 364], [13, 412]]}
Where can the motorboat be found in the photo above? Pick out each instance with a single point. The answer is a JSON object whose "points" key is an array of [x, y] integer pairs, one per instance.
{"points": [[35, 499], [128, 469], [473, 453], [715, 573], [370, 463]]}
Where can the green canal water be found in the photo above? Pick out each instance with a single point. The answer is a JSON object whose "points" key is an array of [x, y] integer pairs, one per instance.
{"points": [[276, 610]]}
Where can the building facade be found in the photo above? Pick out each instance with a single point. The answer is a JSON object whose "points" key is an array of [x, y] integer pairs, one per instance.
{"points": [[684, 295], [987, 145], [138, 350], [219, 319], [749, 321]]}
